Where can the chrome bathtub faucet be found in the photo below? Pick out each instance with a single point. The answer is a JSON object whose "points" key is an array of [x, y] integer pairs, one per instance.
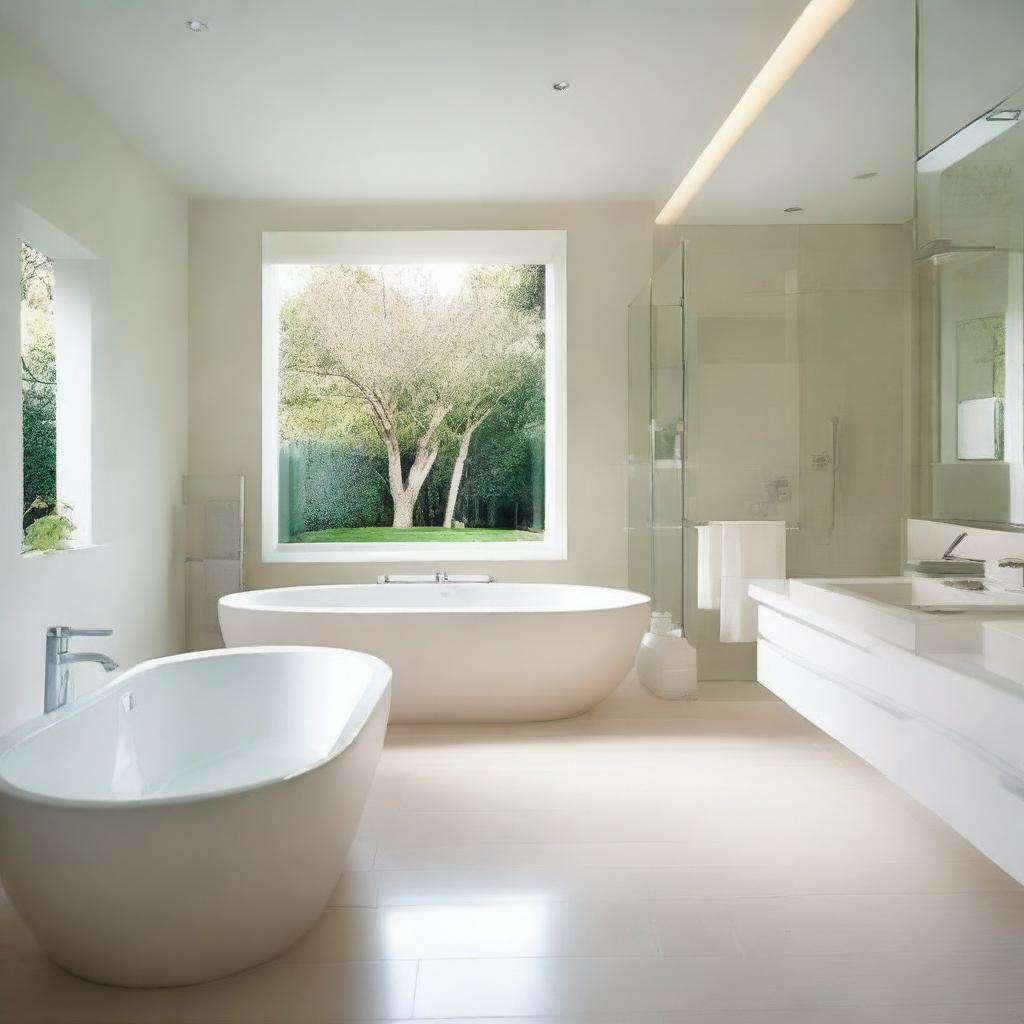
{"points": [[58, 690]]}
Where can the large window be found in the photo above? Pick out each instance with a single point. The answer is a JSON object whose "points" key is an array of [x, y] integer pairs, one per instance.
{"points": [[414, 395], [56, 386]]}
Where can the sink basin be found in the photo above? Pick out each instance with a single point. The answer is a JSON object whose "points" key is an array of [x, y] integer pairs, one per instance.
{"points": [[934, 595], [1002, 648], [917, 614]]}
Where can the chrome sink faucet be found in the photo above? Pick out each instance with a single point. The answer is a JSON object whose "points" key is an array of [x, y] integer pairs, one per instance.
{"points": [[1012, 563], [58, 690], [957, 541]]}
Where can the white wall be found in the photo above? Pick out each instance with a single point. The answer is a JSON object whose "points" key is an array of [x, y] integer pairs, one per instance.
{"points": [[609, 258], [64, 162]]}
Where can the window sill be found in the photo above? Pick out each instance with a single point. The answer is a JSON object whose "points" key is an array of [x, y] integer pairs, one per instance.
{"points": [[443, 554], [71, 549]]}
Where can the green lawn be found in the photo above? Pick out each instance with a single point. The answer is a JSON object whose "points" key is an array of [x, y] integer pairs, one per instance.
{"points": [[421, 534]]}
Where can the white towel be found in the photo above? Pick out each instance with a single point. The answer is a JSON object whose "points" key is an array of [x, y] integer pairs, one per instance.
{"points": [[750, 551], [738, 624], [709, 566]]}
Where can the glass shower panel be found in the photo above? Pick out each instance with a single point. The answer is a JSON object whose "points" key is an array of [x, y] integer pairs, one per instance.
{"points": [[795, 349], [668, 435], [743, 376], [657, 440], [639, 454]]}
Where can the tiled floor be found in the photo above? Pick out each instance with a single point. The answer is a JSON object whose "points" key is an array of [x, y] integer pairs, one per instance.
{"points": [[717, 862]]}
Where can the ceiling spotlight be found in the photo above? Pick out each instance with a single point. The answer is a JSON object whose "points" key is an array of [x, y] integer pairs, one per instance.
{"points": [[865, 176], [195, 25], [560, 86], [793, 209]]}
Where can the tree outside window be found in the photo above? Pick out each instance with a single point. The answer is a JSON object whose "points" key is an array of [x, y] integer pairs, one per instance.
{"points": [[411, 403], [38, 386]]}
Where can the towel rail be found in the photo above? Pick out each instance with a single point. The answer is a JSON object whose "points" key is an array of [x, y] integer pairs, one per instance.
{"points": [[694, 523]]}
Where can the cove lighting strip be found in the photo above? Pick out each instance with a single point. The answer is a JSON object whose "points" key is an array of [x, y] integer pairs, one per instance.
{"points": [[814, 23]]}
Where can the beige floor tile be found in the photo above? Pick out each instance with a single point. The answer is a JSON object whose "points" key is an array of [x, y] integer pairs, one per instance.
{"points": [[928, 923], [826, 982], [693, 928], [525, 987], [631, 699], [856, 1015], [847, 1015], [494, 883], [953, 1014], [811, 877], [580, 825], [586, 1018], [985, 977], [448, 789], [480, 930], [419, 856]]}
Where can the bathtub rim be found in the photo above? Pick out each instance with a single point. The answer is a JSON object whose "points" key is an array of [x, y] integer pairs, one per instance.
{"points": [[378, 688], [242, 600]]}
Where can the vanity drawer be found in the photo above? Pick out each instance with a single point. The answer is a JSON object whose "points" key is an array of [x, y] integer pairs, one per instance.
{"points": [[868, 727], [819, 649]]}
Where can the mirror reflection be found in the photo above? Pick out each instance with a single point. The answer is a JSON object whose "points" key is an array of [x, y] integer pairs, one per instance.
{"points": [[970, 240]]}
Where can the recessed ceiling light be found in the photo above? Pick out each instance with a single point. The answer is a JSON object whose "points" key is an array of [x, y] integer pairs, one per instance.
{"points": [[560, 86], [865, 176], [195, 25], [814, 23], [793, 209]]}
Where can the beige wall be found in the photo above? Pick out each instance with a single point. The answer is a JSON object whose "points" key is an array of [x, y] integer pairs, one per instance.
{"points": [[64, 162], [609, 258]]}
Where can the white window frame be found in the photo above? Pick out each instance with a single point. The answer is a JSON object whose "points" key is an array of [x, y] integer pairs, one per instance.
{"points": [[390, 247]]}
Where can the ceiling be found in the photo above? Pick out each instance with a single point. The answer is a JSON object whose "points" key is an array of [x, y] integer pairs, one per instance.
{"points": [[848, 110], [451, 100]]}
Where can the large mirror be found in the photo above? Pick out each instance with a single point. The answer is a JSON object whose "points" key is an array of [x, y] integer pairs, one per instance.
{"points": [[969, 227]]}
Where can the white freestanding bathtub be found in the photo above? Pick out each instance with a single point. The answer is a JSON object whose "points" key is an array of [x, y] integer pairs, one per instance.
{"points": [[462, 652], [192, 818]]}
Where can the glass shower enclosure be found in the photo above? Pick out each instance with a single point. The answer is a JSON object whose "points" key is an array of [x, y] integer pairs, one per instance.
{"points": [[767, 383], [657, 442]]}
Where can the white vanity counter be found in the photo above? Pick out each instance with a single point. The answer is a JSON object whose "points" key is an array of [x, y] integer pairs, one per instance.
{"points": [[905, 686]]}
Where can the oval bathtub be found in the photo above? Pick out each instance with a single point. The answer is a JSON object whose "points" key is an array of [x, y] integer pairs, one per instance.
{"points": [[464, 652], [192, 818]]}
